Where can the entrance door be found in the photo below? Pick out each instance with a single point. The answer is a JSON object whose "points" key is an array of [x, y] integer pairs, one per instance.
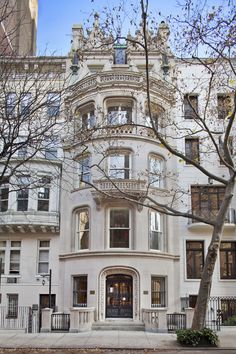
{"points": [[119, 297]]}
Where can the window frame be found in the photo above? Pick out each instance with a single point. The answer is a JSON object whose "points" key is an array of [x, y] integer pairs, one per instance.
{"points": [[160, 231], [227, 255], [3, 251], [12, 262], [192, 150], [4, 186], [45, 184], [191, 255], [25, 102], [12, 312], [42, 249], [23, 193], [191, 106], [129, 228], [53, 104], [83, 170], [126, 168], [11, 104], [75, 291], [86, 231], [223, 107], [117, 58], [160, 299], [155, 182]]}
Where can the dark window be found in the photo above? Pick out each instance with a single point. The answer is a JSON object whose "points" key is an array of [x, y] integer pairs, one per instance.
{"points": [[50, 148], [192, 301], [12, 309], [53, 103], [206, 200], [194, 259], [4, 194], [80, 291], [223, 106], [2, 256], [119, 166], [190, 106], [82, 229], [192, 150], [120, 56], [228, 260], [23, 193], [158, 292], [119, 228]]}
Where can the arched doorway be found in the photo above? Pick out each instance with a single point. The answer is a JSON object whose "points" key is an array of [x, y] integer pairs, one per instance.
{"points": [[119, 296], [130, 277]]}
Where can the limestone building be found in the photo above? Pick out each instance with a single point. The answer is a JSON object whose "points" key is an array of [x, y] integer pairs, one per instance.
{"points": [[110, 256]]}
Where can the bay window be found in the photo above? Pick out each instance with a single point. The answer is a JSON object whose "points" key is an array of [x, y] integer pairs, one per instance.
{"points": [[82, 229], [156, 167], [156, 234], [119, 165], [84, 171]]}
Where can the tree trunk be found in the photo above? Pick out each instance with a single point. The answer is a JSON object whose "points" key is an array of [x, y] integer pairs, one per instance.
{"points": [[209, 265]]}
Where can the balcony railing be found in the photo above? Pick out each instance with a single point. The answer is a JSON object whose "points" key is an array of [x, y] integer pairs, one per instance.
{"points": [[230, 216], [105, 189]]}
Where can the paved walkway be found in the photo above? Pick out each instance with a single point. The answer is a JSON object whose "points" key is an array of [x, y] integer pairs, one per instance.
{"points": [[106, 339]]}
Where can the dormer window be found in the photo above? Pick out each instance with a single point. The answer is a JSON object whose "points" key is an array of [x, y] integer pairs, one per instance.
{"points": [[120, 56]]}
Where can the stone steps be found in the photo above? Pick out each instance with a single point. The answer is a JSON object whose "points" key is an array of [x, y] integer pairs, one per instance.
{"points": [[118, 326]]}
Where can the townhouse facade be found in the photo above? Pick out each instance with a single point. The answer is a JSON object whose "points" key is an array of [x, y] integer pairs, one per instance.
{"points": [[86, 239]]}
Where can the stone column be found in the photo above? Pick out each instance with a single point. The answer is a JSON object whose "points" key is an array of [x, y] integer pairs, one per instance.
{"points": [[46, 320], [189, 316]]}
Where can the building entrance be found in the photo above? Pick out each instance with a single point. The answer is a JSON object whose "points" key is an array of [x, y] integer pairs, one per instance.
{"points": [[119, 296]]}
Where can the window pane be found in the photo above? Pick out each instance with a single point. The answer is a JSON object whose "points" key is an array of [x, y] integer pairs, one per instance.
{"points": [[44, 243], [158, 292], [119, 238], [83, 229], [43, 268], [195, 259], [12, 305], [80, 291], [228, 260], [119, 218]]}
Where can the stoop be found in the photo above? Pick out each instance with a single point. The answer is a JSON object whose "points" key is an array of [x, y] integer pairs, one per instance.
{"points": [[118, 326]]}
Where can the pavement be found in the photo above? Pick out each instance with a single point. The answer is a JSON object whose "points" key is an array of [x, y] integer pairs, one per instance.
{"points": [[132, 342]]}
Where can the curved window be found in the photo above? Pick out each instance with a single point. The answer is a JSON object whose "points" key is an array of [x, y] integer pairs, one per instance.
{"points": [[82, 229], [119, 165], [156, 168], [119, 228], [157, 114], [86, 117], [119, 111], [83, 171], [156, 233]]}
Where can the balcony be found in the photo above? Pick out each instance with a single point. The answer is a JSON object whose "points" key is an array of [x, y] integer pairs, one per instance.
{"points": [[29, 222], [230, 220], [108, 189]]}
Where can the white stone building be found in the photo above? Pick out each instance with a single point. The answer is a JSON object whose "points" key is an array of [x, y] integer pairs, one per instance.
{"points": [[109, 255]]}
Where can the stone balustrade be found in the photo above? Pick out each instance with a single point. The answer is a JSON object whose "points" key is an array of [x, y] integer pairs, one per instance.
{"points": [[81, 319], [155, 320]]}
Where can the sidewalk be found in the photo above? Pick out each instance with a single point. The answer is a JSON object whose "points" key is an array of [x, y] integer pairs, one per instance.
{"points": [[104, 339]]}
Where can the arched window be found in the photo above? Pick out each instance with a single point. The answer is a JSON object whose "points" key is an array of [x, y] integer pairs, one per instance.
{"points": [[119, 111], [82, 229], [157, 114], [156, 170], [86, 117]]}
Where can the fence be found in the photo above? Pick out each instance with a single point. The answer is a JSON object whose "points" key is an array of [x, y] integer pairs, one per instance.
{"points": [[220, 310], [60, 322], [17, 317], [176, 321]]}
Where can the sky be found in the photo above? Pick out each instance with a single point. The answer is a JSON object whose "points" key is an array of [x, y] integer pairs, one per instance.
{"points": [[56, 17]]}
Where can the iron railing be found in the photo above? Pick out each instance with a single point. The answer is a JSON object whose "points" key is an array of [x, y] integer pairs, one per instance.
{"points": [[176, 321], [60, 322]]}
